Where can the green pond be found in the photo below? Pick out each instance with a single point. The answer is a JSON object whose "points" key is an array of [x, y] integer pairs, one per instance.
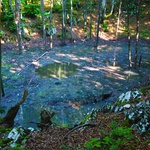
{"points": [[57, 70]]}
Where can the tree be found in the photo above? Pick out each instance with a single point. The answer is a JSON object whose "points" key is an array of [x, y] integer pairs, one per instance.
{"points": [[50, 23], [43, 18], [18, 23], [85, 14], [71, 16], [118, 19], [138, 4], [91, 19], [63, 22], [98, 23], [128, 28], [1, 83]]}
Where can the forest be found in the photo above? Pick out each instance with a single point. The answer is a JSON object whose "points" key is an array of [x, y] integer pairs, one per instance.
{"points": [[75, 75]]}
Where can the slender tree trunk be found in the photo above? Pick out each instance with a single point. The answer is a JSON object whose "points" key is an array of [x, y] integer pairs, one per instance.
{"points": [[98, 23], [0, 58], [71, 16], [118, 19], [103, 7], [137, 31], [43, 22], [51, 33], [43, 18], [63, 22], [85, 14], [129, 37], [18, 24], [11, 7], [0, 72], [90, 20]]}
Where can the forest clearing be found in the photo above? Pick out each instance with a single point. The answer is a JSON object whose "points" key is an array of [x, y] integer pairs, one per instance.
{"points": [[84, 65]]}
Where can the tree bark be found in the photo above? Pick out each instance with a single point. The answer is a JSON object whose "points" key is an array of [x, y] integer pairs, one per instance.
{"points": [[63, 22], [98, 23], [43, 18], [129, 37], [50, 23], [90, 20], [18, 24], [118, 19], [71, 16], [137, 31]]}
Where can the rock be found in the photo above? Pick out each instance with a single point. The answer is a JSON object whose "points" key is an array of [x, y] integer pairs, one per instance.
{"points": [[139, 117], [127, 106], [16, 133]]}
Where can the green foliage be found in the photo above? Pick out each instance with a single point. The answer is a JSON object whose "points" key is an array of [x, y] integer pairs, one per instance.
{"points": [[65, 147], [105, 26], [2, 110], [31, 10], [1, 33], [111, 140]]}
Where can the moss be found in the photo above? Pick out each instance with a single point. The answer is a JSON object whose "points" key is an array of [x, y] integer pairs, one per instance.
{"points": [[126, 123], [145, 89]]}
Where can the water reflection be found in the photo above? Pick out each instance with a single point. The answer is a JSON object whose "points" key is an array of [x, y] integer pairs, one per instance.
{"points": [[57, 70]]}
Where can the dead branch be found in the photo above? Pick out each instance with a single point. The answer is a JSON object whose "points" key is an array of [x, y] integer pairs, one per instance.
{"points": [[79, 126]]}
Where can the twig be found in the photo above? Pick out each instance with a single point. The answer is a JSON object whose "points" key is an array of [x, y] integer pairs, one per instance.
{"points": [[77, 127]]}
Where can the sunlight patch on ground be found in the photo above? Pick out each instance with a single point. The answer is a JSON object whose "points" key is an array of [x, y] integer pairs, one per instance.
{"points": [[91, 68], [131, 73], [110, 72]]}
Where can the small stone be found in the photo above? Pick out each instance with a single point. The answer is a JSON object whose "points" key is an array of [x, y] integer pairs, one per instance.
{"points": [[116, 109], [127, 106]]}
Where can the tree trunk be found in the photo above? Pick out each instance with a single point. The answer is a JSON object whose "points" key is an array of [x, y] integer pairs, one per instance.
{"points": [[18, 24], [63, 22], [98, 23], [43, 18], [85, 14], [50, 23], [11, 7], [137, 31], [90, 20], [129, 38], [0, 72], [71, 16], [118, 19]]}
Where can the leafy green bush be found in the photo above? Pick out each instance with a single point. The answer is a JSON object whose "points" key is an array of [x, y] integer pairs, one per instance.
{"points": [[112, 140], [31, 10]]}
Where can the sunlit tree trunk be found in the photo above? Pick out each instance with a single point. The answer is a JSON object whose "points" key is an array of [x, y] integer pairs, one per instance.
{"points": [[71, 16], [64, 22], [118, 19], [137, 31], [51, 16], [129, 37], [18, 24], [98, 23]]}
